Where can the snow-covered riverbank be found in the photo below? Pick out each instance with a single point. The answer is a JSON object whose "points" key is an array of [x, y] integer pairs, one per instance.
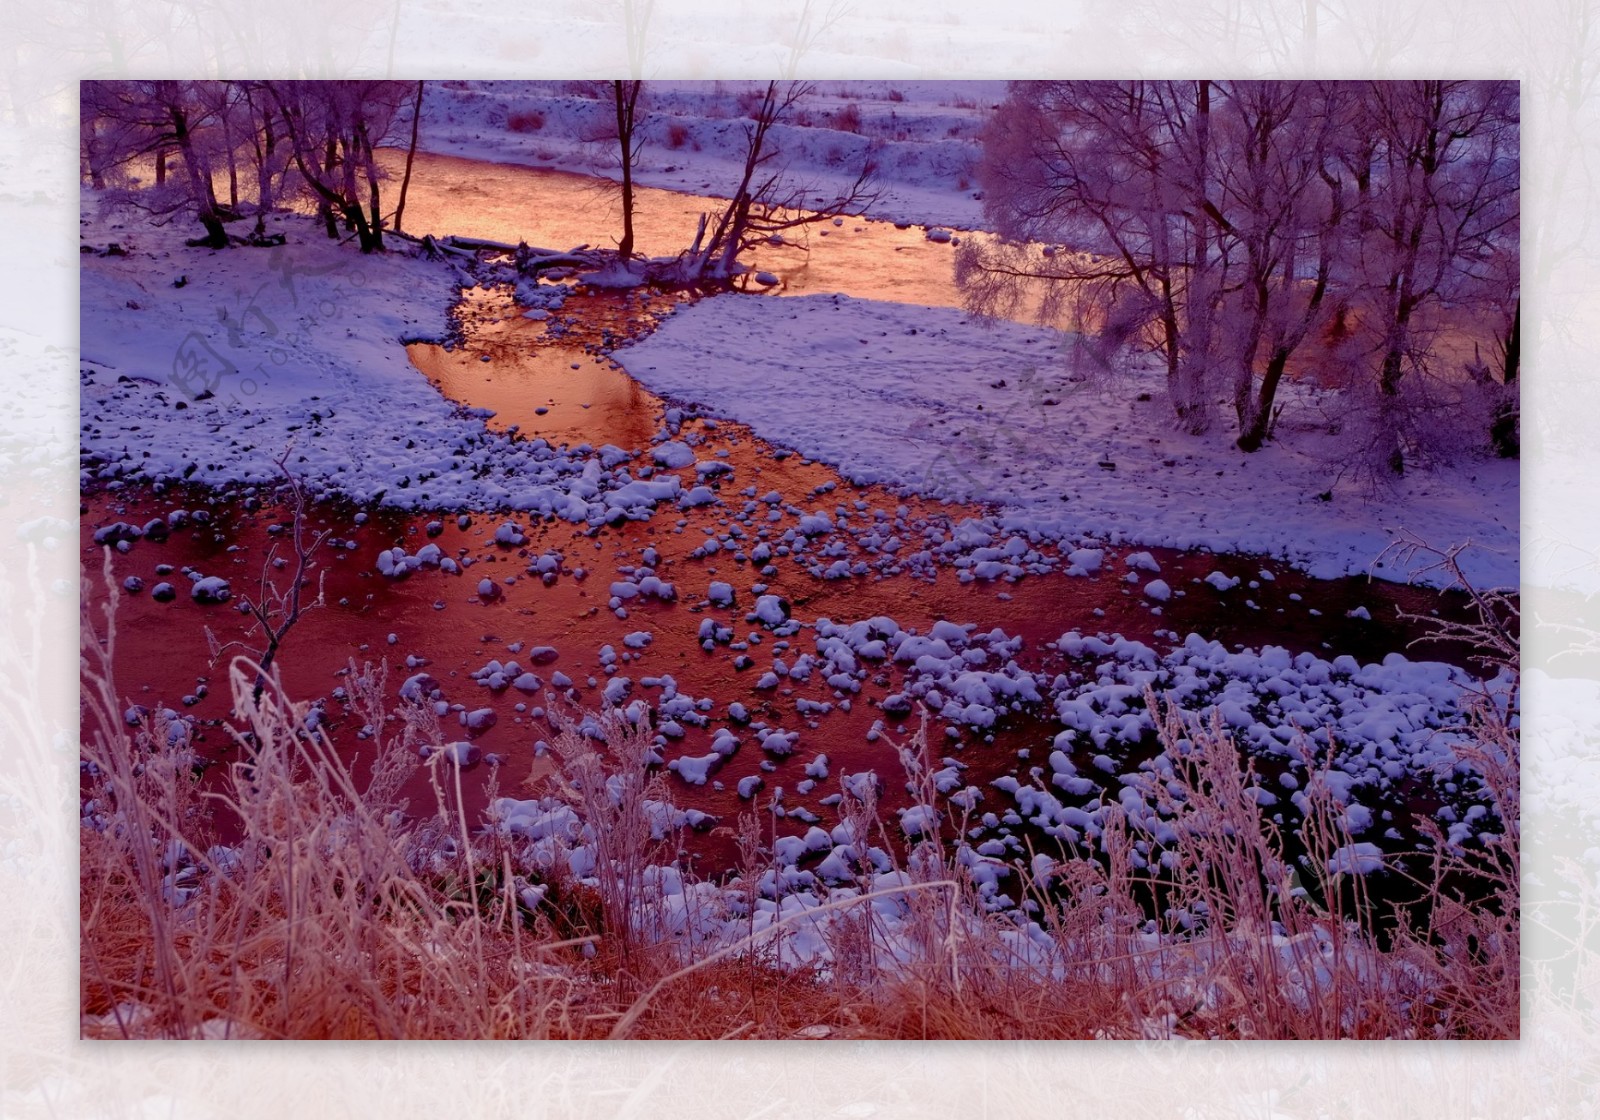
{"points": [[920, 136], [932, 401], [208, 367]]}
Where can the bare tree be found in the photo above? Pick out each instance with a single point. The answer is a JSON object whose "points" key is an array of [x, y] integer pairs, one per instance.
{"points": [[1499, 375], [225, 107], [275, 609], [767, 202], [614, 135], [266, 151], [411, 155], [334, 129], [1442, 203], [134, 119], [91, 147], [1116, 171], [625, 100]]}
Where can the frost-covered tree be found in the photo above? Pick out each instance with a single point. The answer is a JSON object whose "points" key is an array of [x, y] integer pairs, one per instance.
{"points": [[327, 131], [334, 130], [1116, 173], [1282, 197], [1226, 225], [126, 121], [1439, 171], [267, 148]]}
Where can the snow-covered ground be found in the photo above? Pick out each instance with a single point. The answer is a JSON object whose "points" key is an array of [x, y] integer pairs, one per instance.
{"points": [[211, 366], [930, 400], [921, 136]]}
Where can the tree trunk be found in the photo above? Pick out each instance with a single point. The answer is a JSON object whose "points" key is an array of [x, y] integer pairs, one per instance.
{"points": [[1186, 402], [373, 242], [626, 98], [734, 239], [1505, 429], [264, 174], [355, 218], [1203, 284], [200, 188], [1244, 377], [1177, 380], [1513, 358], [728, 234], [91, 159], [233, 167], [1389, 389], [1254, 435], [324, 207], [411, 154], [264, 667]]}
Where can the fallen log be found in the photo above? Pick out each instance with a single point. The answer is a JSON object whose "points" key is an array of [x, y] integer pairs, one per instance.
{"points": [[529, 259], [558, 260], [433, 248], [480, 244]]}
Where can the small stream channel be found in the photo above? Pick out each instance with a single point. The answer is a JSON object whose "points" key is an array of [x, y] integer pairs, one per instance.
{"points": [[559, 385]]}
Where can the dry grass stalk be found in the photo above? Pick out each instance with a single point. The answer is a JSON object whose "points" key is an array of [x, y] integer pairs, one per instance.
{"points": [[341, 914]]}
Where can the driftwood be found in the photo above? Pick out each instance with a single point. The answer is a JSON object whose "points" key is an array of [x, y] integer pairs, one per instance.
{"points": [[670, 272], [479, 244], [433, 247], [531, 260], [560, 260]]}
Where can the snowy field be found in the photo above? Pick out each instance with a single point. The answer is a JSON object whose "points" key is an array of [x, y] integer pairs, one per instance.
{"points": [[209, 366], [921, 136], [929, 400]]}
